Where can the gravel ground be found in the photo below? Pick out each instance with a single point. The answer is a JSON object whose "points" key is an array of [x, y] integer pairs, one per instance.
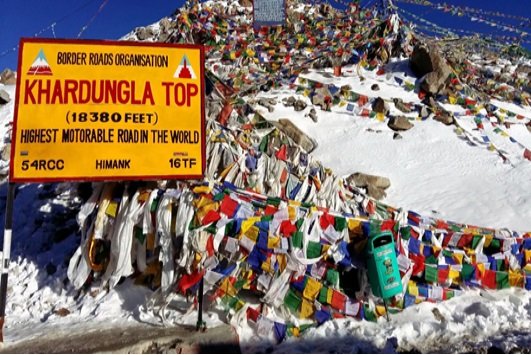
{"points": [[138, 339]]}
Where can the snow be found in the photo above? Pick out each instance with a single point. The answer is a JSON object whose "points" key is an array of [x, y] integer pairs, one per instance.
{"points": [[433, 171]]}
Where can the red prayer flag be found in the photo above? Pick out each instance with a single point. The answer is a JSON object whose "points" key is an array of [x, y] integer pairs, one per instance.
{"points": [[388, 225], [211, 216], [326, 220], [282, 153], [287, 228], [252, 314], [228, 206], [210, 246], [225, 114], [187, 281], [270, 210], [527, 154], [442, 275], [418, 263], [371, 208], [338, 300], [489, 279]]}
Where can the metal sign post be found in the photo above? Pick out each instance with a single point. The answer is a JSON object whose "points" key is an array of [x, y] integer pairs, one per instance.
{"points": [[6, 251]]}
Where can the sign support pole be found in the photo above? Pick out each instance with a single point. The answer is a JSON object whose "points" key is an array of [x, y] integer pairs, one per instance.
{"points": [[200, 325], [6, 251]]}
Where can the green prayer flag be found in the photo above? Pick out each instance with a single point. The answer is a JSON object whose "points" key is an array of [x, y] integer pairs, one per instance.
{"points": [[267, 218], [238, 285], [502, 280], [323, 292], [405, 232], [299, 223], [430, 273], [495, 244], [500, 265], [296, 240], [369, 315], [430, 259], [219, 196], [340, 223], [154, 204], [447, 253], [263, 144], [475, 241], [332, 277], [292, 301], [229, 227], [314, 250], [467, 272], [139, 235], [211, 228], [274, 201]]}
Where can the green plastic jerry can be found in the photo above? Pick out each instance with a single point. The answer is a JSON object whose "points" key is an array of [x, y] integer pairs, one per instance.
{"points": [[382, 266]]}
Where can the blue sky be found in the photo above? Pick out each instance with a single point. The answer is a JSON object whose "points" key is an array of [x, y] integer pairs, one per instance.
{"points": [[25, 18]]}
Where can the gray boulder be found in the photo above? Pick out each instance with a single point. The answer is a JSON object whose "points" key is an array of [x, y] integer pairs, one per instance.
{"points": [[400, 105], [143, 33], [425, 61], [299, 105], [444, 117], [8, 77], [4, 97], [380, 106], [399, 123], [307, 143], [375, 185]]}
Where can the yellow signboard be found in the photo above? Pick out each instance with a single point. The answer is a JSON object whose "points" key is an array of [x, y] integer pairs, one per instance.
{"points": [[99, 110]]}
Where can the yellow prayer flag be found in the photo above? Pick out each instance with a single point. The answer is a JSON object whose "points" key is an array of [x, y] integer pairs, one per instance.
{"points": [[329, 294], [516, 278], [380, 116], [452, 100], [292, 212], [266, 266], [296, 332], [312, 289], [306, 309], [282, 262], [227, 287], [488, 240], [250, 52], [112, 209], [455, 275], [248, 223], [354, 224], [412, 288], [252, 233], [380, 310], [202, 189], [273, 242], [481, 268], [527, 256], [458, 258]]}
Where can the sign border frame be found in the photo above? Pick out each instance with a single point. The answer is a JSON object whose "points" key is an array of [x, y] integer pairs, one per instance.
{"points": [[110, 178]]}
